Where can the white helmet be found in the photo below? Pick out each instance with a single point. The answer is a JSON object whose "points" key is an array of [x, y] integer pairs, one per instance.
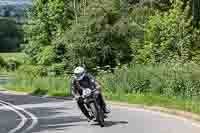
{"points": [[79, 73]]}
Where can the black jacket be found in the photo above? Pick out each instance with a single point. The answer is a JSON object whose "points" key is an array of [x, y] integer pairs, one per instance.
{"points": [[88, 81]]}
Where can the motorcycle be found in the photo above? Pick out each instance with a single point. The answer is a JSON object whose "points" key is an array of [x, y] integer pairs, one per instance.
{"points": [[92, 105]]}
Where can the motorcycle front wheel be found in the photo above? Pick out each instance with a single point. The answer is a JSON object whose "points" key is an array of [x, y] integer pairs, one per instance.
{"points": [[98, 113]]}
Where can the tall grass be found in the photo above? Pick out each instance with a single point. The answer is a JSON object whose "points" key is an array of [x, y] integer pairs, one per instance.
{"points": [[161, 79], [56, 86], [174, 86]]}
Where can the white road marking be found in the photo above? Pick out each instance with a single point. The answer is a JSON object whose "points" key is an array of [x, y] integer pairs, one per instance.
{"points": [[48, 117], [40, 105], [33, 117], [23, 118], [34, 121], [57, 125]]}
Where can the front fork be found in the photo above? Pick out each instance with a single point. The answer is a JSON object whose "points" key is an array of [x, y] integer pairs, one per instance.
{"points": [[87, 105], [94, 99]]}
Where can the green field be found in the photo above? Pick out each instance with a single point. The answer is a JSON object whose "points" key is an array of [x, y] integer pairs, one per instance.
{"points": [[17, 56]]}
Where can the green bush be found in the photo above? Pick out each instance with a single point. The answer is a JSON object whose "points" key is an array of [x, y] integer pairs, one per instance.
{"points": [[169, 36], [2, 62], [13, 64], [32, 71], [57, 69]]}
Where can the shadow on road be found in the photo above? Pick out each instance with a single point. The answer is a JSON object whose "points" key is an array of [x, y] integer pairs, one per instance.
{"points": [[112, 123], [58, 123]]}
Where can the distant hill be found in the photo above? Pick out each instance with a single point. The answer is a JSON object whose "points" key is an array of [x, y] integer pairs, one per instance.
{"points": [[15, 2], [14, 8]]}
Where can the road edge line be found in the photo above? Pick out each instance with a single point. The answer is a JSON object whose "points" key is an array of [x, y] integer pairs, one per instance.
{"points": [[22, 116], [33, 117]]}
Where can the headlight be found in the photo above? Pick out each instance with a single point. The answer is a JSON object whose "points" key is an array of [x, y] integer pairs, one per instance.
{"points": [[87, 92]]}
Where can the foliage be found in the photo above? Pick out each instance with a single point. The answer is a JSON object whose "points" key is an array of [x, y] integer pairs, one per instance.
{"points": [[32, 71], [139, 16], [2, 62], [169, 36], [46, 22], [100, 37], [59, 31], [58, 69], [159, 79], [10, 35], [55, 36]]}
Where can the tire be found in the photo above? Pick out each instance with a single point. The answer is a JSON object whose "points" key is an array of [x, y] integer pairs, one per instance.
{"points": [[98, 112], [94, 110], [101, 117]]}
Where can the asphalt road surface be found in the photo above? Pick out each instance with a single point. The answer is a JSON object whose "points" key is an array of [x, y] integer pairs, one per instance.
{"points": [[28, 114]]}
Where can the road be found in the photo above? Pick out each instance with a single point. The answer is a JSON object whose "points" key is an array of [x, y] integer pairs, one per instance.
{"points": [[29, 114]]}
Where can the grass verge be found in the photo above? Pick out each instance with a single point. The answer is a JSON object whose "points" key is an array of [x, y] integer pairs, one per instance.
{"points": [[156, 100], [53, 86], [12, 55]]}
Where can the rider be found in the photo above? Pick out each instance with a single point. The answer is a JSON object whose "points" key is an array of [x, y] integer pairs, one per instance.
{"points": [[85, 80]]}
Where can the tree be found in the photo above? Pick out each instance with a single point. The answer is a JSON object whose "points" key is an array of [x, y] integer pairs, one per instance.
{"points": [[170, 36], [100, 38], [47, 21], [87, 32], [10, 35], [196, 10], [7, 11]]}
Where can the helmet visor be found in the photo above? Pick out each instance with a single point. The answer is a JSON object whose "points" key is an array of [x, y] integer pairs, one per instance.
{"points": [[79, 76]]}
